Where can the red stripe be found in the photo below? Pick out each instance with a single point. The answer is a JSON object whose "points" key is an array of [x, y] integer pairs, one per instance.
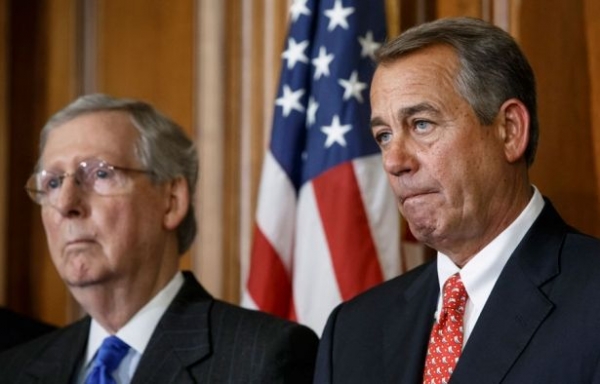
{"points": [[347, 230], [268, 281]]}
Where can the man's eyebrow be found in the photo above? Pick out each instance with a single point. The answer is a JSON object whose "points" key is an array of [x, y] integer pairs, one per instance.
{"points": [[405, 112], [376, 121], [417, 108]]}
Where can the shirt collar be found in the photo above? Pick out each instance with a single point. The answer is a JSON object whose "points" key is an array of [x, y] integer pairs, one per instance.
{"points": [[480, 274], [138, 330]]}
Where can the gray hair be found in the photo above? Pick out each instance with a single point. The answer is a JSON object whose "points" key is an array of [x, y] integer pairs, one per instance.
{"points": [[163, 147], [492, 69]]}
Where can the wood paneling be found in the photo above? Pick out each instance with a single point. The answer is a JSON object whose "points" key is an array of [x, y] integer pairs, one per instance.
{"points": [[23, 106], [235, 36], [213, 66], [4, 160], [392, 16], [452, 8], [210, 58], [591, 13], [554, 39], [145, 50]]}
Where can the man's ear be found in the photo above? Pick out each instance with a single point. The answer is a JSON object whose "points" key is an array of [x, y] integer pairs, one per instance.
{"points": [[178, 202], [514, 125]]}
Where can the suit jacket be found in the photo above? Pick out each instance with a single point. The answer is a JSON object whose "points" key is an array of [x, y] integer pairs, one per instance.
{"points": [[541, 323], [198, 339], [17, 328]]}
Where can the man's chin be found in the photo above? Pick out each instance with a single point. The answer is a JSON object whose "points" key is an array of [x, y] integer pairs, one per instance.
{"points": [[83, 280], [421, 228]]}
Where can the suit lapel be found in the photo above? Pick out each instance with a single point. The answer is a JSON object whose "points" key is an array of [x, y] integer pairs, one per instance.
{"points": [[407, 329], [59, 362], [517, 305], [181, 338]]}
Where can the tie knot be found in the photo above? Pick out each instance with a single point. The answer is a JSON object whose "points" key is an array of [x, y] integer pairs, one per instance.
{"points": [[455, 294], [111, 352]]}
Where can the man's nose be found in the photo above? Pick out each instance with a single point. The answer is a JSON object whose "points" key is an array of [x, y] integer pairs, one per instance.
{"points": [[68, 200], [399, 157]]}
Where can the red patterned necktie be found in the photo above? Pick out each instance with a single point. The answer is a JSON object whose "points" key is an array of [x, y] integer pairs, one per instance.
{"points": [[445, 343]]}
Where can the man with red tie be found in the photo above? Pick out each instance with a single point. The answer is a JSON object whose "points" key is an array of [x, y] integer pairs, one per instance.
{"points": [[514, 294]]}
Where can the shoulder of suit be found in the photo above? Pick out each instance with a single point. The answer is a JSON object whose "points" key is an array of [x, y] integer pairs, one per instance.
{"points": [[389, 290], [36, 347], [253, 318]]}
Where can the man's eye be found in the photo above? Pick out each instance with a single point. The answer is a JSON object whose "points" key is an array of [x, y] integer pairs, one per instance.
{"points": [[51, 183], [383, 138], [422, 125], [102, 174]]}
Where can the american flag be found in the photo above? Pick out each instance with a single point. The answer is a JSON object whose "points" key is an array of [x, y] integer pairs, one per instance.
{"points": [[327, 227]]}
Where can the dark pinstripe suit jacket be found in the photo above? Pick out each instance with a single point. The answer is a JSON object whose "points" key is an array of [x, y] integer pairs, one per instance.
{"points": [[198, 340]]}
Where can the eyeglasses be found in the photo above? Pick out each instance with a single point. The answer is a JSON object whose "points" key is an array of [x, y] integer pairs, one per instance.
{"points": [[92, 175]]}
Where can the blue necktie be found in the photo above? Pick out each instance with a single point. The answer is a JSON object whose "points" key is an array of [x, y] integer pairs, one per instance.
{"points": [[108, 358]]}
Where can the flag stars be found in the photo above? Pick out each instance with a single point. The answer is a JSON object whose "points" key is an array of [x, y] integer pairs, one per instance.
{"points": [[368, 45], [353, 87], [336, 132], [290, 100], [338, 16], [322, 62], [295, 52], [311, 112], [298, 9]]}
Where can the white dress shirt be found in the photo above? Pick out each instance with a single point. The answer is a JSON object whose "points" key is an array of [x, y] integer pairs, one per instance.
{"points": [[480, 274], [136, 333]]}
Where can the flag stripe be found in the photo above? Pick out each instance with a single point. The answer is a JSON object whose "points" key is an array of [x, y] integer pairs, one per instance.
{"points": [[384, 220], [315, 285], [347, 230], [276, 209], [267, 266]]}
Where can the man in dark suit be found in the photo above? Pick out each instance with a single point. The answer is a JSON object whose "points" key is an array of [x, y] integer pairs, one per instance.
{"points": [[454, 112], [115, 182]]}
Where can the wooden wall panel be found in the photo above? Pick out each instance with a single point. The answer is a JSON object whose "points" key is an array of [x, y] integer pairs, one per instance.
{"points": [[235, 36], [453, 8], [592, 32], [213, 66], [554, 39], [145, 50], [211, 98], [392, 16], [23, 111], [3, 147], [254, 79]]}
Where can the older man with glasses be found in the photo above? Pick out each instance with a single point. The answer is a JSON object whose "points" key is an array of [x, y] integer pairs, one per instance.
{"points": [[115, 182]]}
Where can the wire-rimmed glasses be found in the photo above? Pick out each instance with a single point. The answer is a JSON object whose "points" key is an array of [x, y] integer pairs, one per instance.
{"points": [[91, 175]]}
